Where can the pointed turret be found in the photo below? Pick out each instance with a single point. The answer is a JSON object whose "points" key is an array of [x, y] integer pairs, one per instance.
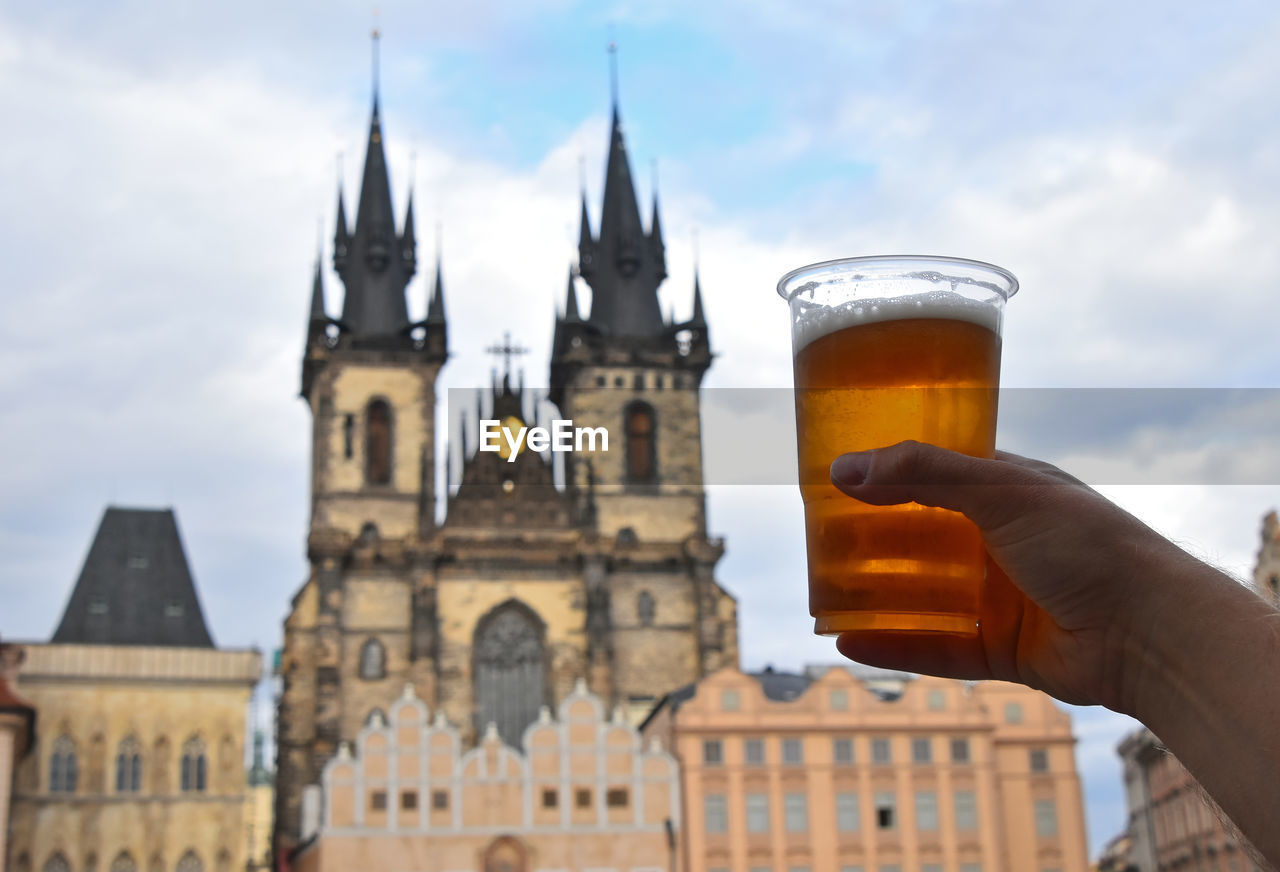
{"points": [[373, 266], [623, 268], [586, 243], [699, 319], [318, 318], [409, 241], [341, 236], [571, 301], [435, 310], [655, 239]]}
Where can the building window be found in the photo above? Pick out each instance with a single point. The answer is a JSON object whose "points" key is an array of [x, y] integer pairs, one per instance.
{"points": [[190, 862], [440, 800], [409, 800], [960, 750], [64, 771], [937, 700], [616, 797], [729, 700], [712, 752], [642, 466], [645, 608], [1039, 760], [348, 436], [377, 443], [123, 863], [891, 867], [921, 751], [1012, 713], [858, 868], [838, 700], [796, 812], [931, 867], [966, 810], [970, 867], [1046, 818], [373, 660], [550, 798], [886, 810], [926, 810], [717, 813], [842, 751], [510, 670], [57, 863], [378, 800], [129, 766], [848, 813], [757, 812], [792, 752], [880, 752], [195, 766], [753, 752], [582, 797]]}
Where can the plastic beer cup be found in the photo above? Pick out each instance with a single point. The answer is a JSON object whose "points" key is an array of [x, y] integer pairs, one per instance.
{"points": [[887, 349]]}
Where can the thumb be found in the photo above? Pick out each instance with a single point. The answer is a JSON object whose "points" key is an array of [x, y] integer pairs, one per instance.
{"points": [[990, 493]]}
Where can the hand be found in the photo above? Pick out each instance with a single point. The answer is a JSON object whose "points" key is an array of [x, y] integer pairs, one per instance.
{"points": [[1074, 583]]}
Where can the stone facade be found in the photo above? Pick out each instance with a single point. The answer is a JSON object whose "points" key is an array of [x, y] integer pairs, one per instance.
{"points": [[841, 772], [1266, 571], [116, 779], [1173, 824], [539, 575], [580, 793]]}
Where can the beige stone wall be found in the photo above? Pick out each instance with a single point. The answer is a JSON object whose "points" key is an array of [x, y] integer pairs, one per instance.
{"points": [[344, 501], [730, 708], [678, 509], [99, 695]]}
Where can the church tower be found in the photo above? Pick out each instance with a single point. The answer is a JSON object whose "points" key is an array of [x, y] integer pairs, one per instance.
{"points": [[539, 577], [369, 378]]}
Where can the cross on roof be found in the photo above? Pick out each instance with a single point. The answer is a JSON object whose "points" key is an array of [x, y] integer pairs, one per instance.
{"points": [[507, 350]]}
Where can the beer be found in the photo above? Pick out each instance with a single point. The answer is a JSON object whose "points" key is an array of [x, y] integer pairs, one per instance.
{"points": [[871, 372]]}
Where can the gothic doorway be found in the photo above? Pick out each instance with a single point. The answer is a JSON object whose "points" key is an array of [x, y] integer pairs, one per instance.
{"points": [[510, 670], [505, 854]]}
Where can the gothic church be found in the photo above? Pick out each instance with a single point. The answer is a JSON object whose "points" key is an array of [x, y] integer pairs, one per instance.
{"points": [[528, 584]]}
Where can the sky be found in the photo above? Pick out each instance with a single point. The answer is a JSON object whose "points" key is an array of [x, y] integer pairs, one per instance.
{"points": [[169, 171]]}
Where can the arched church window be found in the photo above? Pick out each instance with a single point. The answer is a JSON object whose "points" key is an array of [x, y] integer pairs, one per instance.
{"points": [[128, 766], [645, 608], [510, 670], [190, 862], [123, 863], [64, 771], [195, 766], [377, 443], [57, 863], [641, 455], [373, 660]]}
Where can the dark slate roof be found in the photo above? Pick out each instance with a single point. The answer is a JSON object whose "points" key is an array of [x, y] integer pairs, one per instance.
{"points": [[375, 264], [135, 587], [781, 686], [624, 265]]}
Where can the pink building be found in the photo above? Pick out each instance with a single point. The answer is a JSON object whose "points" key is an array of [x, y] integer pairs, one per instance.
{"points": [[581, 795], [832, 772]]}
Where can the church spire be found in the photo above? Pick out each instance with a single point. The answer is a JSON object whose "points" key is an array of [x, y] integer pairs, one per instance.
{"points": [[655, 236], [435, 309], [409, 240], [318, 316], [374, 275], [571, 301], [624, 271], [699, 319]]}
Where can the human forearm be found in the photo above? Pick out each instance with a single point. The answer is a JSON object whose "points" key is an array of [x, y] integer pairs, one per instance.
{"points": [[1199, 678]]}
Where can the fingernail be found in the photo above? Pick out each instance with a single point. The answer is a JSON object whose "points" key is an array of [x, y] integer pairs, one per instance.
{"points": [[850, 470]]}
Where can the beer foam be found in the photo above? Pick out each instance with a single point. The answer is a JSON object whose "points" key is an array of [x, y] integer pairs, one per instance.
{"points": [[815, 321]]}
